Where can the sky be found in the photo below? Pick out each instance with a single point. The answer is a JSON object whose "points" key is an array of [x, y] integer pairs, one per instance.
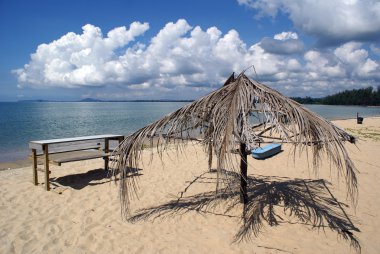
{"points": [[132, 50]]}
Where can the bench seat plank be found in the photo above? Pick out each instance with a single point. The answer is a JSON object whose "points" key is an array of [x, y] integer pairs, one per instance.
{"points": [[59, 161], [38, 143], [66, 151]]}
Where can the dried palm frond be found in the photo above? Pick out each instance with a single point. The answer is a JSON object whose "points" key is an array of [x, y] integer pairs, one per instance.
{"points": [[243, 111]]}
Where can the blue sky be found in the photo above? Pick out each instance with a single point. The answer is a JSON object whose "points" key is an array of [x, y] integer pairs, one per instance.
{"points": [[122, 50]]}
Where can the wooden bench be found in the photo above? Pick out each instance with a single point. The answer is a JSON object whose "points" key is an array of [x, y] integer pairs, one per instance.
{"points": [[58, 151]]}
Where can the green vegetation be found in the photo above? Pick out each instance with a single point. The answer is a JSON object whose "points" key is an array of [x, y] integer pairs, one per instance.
{"points": [[370, 132], [363, 97]]}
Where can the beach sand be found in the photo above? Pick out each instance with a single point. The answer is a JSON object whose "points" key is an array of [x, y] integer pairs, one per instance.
{"points": [[82, 212]]}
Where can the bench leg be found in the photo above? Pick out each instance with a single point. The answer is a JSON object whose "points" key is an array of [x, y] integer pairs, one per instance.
{"points": [[106, 150], [46, 162], [34, 167], [120, 140]]}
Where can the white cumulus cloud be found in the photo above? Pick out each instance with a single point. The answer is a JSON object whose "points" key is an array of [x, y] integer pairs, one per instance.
{"points": [[179, 55], [375, 49], [181, 58], [283, 43], [77, 59], [286, 36], [331, 22]]}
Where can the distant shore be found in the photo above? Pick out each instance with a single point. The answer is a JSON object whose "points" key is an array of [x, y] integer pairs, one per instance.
{"points": [[97, 100]]}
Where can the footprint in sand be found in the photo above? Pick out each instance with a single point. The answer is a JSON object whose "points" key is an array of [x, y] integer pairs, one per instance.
{"points": [[28, 245], [87, 224], [10, 248], [25, 235], [53, 228]]}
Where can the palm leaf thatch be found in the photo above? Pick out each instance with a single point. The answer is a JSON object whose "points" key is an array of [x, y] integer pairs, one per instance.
{"points": [[246, 112]]}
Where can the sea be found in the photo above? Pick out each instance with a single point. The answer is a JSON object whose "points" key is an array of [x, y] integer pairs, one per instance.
{"points": [[21, 122]]}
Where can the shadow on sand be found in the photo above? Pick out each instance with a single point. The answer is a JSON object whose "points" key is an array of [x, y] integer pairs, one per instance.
{"points": [[89, 178], [301, 201]]}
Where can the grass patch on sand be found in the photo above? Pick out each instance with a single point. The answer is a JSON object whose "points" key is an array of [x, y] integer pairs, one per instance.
{"points": [[370, 132]]}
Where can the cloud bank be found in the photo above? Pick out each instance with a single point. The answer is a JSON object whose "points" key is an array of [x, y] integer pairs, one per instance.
{"points": [[331, 22], [180, 55]]}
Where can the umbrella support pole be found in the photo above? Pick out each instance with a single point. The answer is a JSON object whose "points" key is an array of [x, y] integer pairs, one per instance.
{"points": [[209, 156], [243, 174]]}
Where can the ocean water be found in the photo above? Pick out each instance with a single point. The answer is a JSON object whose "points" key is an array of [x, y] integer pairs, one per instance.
{"points": [[26, 121]]}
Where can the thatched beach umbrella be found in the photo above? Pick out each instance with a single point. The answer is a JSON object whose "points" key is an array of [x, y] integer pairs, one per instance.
{"points": [[240, 116]]}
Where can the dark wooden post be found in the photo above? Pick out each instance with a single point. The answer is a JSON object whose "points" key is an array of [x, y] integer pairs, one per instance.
{"points": [[34, 166], [243, 174], [106, 151], [46, 162], [209, 156]]}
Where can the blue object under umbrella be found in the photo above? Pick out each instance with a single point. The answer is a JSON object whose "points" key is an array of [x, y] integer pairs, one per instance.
{"points": [[266, 151]]}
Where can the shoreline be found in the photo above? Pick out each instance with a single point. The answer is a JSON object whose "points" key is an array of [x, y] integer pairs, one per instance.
{"points": [[15, 164], [354, 118], [26, 162]]}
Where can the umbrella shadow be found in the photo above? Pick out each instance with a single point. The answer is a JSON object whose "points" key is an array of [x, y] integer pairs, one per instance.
{"points": [[270, 201], [89, 178]]}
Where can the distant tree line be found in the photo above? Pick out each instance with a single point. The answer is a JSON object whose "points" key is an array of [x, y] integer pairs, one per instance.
{"points": [[364, 97]]}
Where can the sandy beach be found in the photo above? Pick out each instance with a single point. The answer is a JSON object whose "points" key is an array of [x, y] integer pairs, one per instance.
{"points": [[82, 212]]}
